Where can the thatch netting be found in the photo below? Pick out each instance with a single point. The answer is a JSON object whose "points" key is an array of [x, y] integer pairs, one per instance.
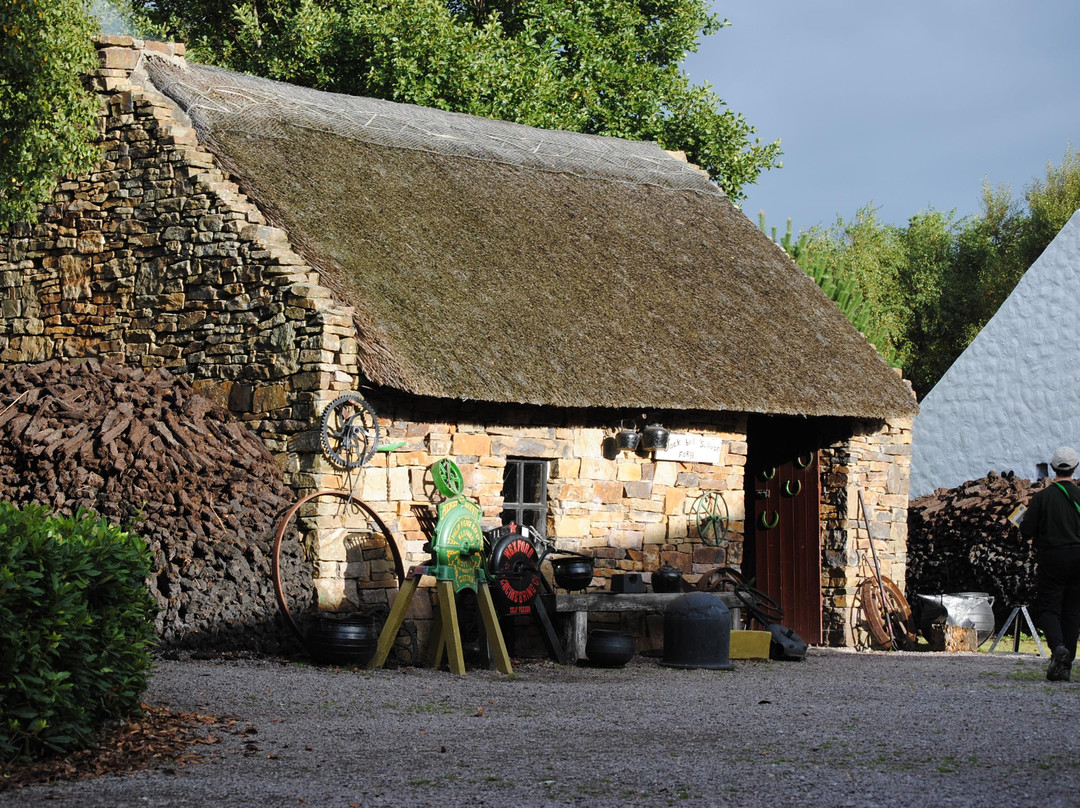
{"points": [[489, 261]]}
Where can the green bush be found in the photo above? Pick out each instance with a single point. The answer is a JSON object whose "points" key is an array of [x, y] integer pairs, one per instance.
{"points": [[76, 629]]}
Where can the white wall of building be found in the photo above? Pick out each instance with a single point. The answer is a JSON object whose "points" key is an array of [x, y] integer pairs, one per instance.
{"points": [[1014, 395]]}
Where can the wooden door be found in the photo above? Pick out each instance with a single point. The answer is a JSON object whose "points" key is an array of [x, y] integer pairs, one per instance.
{"points": [[783, 534]]}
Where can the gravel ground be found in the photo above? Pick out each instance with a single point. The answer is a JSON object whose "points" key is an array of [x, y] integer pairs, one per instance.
{"points": [[839, 728]]}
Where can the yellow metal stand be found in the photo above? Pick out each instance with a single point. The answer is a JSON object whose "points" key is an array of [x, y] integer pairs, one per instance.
{"points": [[396, 617], [446, 634]]}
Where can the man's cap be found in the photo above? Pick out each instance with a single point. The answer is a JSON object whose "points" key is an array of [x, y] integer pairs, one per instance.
{"points": [[1065, 459]]}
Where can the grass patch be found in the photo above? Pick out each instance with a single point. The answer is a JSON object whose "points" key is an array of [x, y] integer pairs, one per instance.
{"points": [[430, 708], [1027, 645], [1028, 673]]}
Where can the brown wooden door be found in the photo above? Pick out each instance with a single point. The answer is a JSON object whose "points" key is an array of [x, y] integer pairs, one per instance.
{"points": [[783, 535]]}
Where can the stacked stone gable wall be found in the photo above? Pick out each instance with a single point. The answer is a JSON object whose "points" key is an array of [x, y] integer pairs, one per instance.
{"points": [[156, 259], [871, 458]]}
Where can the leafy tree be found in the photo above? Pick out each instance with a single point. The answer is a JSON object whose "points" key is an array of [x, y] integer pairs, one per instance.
{"points": [[607, 67], [820, 261], [926, 290], [47, 118], [868, 255], [1051, 202]]}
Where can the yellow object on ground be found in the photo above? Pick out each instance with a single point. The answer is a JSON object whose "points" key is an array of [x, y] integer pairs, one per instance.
{"points": [[750, 644]]}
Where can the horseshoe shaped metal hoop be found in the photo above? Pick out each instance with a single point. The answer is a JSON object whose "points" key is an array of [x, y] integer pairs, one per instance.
{"points": [[809, 459], [798, 488], [769, 473], [765, 523]]}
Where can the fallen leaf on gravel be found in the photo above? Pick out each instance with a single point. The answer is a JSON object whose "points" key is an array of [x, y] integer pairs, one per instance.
{"points": [[158, 737]]}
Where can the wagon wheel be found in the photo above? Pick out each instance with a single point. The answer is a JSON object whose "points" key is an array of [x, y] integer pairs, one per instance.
{"points": [[759, 606], [712, 515], [447, 477], [722, 579], [895, 609], [350, 431]]}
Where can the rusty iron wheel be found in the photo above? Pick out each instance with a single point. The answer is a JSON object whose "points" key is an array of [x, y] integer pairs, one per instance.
{"points": [[286, 516]]}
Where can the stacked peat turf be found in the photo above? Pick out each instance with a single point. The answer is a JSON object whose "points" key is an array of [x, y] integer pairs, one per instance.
{"points": [[961, 540], [141, 449]]}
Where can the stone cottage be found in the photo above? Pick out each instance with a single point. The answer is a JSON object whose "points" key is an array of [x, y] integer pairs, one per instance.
{"points": [[502, 296]]}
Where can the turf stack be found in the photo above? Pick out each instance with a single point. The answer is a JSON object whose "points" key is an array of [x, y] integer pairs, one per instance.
{"points": [[960, 540], [144, 451]]}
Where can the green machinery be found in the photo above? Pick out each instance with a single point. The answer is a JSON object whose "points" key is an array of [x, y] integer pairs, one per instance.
{"points": [[457, 563]]}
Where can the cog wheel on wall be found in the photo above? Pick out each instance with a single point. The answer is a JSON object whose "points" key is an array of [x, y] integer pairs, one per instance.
{"points": [[350, 431]]}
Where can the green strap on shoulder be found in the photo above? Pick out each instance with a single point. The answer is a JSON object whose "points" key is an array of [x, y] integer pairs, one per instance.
{"points": [[1066, 492]]}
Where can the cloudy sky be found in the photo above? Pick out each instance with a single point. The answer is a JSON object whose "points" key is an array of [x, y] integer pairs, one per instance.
{"points": [[906, 106]]}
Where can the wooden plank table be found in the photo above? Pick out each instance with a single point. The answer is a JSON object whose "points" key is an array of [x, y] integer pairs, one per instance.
{"points": [[579, 604]]}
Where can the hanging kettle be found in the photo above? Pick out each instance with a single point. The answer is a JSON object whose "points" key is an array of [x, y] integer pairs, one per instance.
{"points": [[627, 439], [654, 437]]}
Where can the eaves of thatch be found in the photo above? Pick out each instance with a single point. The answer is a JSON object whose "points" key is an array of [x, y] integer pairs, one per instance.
{"points": [[494, 262]]}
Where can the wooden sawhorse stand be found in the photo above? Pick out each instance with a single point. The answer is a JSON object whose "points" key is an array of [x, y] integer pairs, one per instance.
{"points": [[446, 634], [1014, 623]]}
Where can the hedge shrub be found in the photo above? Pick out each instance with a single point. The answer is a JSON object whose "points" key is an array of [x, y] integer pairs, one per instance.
{"points": [[76, 629]]}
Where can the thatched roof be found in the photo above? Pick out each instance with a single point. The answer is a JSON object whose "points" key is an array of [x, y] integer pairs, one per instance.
{"points": [[494, 262]]}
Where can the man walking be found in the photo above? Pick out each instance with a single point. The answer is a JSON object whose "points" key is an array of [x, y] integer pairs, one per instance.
{"points": [[1052, 522]]}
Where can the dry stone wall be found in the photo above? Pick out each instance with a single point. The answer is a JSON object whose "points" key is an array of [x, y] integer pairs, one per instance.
{"points": [[630, 512], [156, 259], [874, 460]]}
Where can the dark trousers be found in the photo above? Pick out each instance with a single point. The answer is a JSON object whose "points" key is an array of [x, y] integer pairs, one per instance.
{"points": [[1058, 584]]}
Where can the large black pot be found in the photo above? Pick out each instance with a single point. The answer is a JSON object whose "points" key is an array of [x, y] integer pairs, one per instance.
{"points": [[572, 571], [348, 640], [609, 649]]}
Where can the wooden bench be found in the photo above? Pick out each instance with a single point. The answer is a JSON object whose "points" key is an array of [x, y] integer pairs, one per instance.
{"points": [[579, 604]]}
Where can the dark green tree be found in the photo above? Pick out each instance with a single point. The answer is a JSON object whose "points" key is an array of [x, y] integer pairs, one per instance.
{"points": [[822, 261], [605, 67], [1051, 202], [47, 117]]}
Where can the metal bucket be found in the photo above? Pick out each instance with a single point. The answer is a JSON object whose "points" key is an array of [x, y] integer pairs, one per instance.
{"points": [[960, 609]]}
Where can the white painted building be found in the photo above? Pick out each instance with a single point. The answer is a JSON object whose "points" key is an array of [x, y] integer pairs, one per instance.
{"points": [[1013, 396]]}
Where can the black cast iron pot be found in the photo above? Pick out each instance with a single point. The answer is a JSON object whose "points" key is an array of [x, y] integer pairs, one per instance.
{"points": [[667, 579], [572, 571], [342, 640], [609, 649], [627, 439], [654, 437]]}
